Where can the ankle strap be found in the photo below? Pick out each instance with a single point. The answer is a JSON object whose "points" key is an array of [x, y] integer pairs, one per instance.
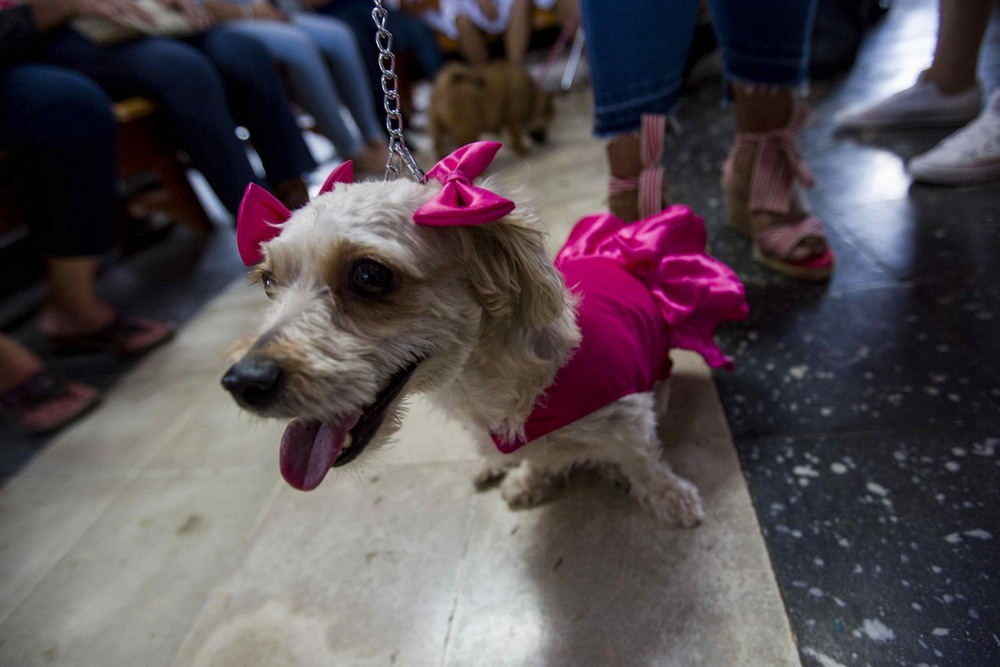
{"points": [[778, 165], [651, 184]]}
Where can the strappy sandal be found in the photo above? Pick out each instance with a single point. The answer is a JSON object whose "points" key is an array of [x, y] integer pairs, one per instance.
{"points": [[760, 178], [124, 336], [650, 187], [45, 402]]}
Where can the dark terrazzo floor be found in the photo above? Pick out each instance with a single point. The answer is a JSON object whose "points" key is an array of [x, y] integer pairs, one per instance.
{"points": [[866, 412]]}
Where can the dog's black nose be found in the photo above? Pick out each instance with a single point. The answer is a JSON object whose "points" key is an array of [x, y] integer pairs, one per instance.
{"points": [[253, 381]]}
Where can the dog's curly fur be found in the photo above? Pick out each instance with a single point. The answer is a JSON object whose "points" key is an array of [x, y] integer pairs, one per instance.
{"points": [[483, 311], [468, 101]]}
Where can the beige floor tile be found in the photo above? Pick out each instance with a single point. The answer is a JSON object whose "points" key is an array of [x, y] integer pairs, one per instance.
{"points": [[589, 579], [200, 349], [585, 579], [694, 412], [217, 435], [41, 517], [133, 422], [362, 571], [127, 591], [427, 436]]}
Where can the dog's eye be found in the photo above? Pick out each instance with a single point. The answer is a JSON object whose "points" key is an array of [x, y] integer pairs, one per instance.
{"points": [[370, 279], [267, 280]]}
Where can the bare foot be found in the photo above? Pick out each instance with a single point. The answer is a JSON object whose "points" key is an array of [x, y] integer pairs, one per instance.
{"points": [[292, 193], [372, 158]]}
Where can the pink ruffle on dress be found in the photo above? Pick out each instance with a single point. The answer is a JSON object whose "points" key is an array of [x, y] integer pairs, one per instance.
{"points": [[644, 288]]}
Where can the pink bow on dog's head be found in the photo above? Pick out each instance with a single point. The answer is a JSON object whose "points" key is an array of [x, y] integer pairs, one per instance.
{"points": [[261, 214], [460, 202]]}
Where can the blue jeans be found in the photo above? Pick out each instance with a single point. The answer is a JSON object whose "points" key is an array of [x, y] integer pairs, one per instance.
{"points": [[324, 71], [61, 133], [205, 86], [638, 49], [409, 35]]}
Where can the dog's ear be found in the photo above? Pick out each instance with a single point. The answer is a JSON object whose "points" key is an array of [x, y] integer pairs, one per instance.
{"points": [[512, 273]]}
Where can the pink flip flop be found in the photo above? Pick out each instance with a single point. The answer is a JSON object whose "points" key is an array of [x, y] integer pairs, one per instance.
{"points": [[45, 402]]}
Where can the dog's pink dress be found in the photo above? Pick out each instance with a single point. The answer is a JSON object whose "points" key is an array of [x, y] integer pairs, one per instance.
{"points": [[643, 289]]}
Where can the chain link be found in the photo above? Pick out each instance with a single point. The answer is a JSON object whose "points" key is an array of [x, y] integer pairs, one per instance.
{"points": [[398, 153]]}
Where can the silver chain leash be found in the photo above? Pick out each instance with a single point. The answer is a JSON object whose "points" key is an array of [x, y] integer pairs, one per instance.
{"points": [[398, 152]]}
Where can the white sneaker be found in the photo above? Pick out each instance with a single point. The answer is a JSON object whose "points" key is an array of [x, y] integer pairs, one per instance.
{"points": [[970, 155], [921, 105]]}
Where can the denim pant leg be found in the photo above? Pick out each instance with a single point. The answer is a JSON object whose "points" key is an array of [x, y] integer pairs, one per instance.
{"points": [[187, 87], [337, 44], [61, 133], [358, 17], [308, 77], [259, 102], [637, 53], [764, 42], [409, 33]]}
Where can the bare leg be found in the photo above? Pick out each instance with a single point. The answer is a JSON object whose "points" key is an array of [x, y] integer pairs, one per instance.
{"points": [[567, 11], [38, 405], [470, 42], [960, 35], [17, 363], [760, 110], [73, 305], [623, 162], [518, 32], [74, 308]]}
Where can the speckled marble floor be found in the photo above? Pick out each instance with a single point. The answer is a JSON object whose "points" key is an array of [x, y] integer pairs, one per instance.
{"points": [[867, 413], [855, 522]]}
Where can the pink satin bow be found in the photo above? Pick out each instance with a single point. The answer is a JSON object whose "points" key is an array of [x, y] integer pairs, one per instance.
{"points": [[460, 202], [261, 214]]}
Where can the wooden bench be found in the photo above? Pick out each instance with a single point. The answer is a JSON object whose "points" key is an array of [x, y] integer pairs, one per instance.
{"points": [[142, 149]]}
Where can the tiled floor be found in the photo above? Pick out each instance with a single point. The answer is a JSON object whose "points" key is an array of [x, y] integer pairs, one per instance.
{"points": [[158, 531], [855, 522]]}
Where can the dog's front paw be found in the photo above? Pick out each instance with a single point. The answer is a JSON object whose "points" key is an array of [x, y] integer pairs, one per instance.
{"points": [[524, 487], [678, 506], [489, 474]]}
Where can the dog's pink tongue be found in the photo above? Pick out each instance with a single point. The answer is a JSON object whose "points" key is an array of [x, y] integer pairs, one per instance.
{"points": [[309, 448]]}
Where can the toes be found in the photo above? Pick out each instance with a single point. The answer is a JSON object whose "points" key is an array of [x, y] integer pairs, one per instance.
{"points": [[489, 475], [675, 506], [525, 490]]}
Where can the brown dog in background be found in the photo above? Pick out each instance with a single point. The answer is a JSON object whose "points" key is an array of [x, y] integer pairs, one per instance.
{"points": [[468, 101]]}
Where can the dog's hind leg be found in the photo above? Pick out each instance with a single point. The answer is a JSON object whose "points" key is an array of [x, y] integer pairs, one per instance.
{"points": [[439, 134], [516, 138]]}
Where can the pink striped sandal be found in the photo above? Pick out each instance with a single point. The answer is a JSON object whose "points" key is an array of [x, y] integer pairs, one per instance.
{"points": [[645, 195], [760, 178]]}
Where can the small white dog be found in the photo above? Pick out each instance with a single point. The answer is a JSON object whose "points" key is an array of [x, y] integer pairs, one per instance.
{"points": [[369, 306]]}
